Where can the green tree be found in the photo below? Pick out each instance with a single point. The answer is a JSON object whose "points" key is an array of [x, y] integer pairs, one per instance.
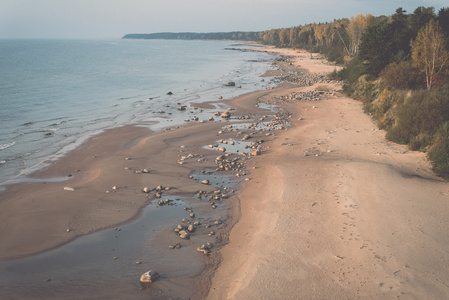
{"points": [[429, 53], [420, 17], [443, 19], [376, 47]]}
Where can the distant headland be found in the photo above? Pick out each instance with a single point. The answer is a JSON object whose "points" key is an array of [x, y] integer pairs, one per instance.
{"points": [[235, 35]]}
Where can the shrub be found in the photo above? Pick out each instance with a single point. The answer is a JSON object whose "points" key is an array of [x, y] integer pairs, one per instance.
{"points": [[439, 152], [335, 56], [422, 113], [351, 74], [401, 76], [420, 142]]}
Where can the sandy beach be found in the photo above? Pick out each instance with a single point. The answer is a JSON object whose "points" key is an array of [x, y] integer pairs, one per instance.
{"points": [[329, 210], [334, 211]]}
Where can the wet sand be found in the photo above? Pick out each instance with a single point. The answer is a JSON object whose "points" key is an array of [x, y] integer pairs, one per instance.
{"points": [[62, 238]]}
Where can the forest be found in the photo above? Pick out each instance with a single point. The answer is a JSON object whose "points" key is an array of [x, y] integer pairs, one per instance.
{"points": [[397, 65]]}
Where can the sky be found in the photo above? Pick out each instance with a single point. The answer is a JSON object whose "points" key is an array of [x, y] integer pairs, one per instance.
{"points": [[91, 19]]}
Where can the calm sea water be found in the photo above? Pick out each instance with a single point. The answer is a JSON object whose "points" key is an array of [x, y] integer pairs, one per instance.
{"points": [[56, 93]]}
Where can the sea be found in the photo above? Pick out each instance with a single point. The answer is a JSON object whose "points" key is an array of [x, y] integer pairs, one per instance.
{"points": [[55, 94]]}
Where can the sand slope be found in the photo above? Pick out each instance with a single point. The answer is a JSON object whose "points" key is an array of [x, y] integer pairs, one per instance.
{"points": [[364, 219]]}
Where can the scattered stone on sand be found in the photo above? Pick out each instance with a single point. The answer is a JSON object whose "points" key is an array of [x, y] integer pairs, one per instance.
{"points": [[256, 152], [220, 97], [184, 234], [148, 277], [175, 246], [67, 188], [204, 249], [205, 181], [225, 115], [146, 190]]}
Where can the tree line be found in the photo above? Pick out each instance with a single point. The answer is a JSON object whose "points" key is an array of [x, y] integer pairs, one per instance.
{"points": [[401, 73], [235, 35]]}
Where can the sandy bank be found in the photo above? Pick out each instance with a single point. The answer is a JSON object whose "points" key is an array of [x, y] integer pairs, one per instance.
{"points": [[334, 211]]}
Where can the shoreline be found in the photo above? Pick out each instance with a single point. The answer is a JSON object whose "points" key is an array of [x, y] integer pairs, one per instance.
{"points": [[104, 189]]}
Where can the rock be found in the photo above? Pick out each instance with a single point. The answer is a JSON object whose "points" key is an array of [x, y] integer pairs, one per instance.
{"points": [[169, 93], [256, 152], [222, 149], [67, 188], [205, 181], [230, 83], [191, 228], [220, 97], [146, 190], [225, 115], [184, 235], [182, 108], [203, 248], [148, 277]]}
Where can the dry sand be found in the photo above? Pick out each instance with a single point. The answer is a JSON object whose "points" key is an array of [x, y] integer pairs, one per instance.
{"points": [[359, 217]]}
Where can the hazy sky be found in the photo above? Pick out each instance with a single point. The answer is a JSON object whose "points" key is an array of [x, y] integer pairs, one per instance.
{"points": [[115, 18]]}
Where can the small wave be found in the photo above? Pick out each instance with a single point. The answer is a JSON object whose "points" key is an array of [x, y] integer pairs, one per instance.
{"points": [[7, 145]]}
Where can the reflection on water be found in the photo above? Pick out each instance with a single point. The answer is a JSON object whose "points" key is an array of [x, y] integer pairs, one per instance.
{"points": [[115, 257]]}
